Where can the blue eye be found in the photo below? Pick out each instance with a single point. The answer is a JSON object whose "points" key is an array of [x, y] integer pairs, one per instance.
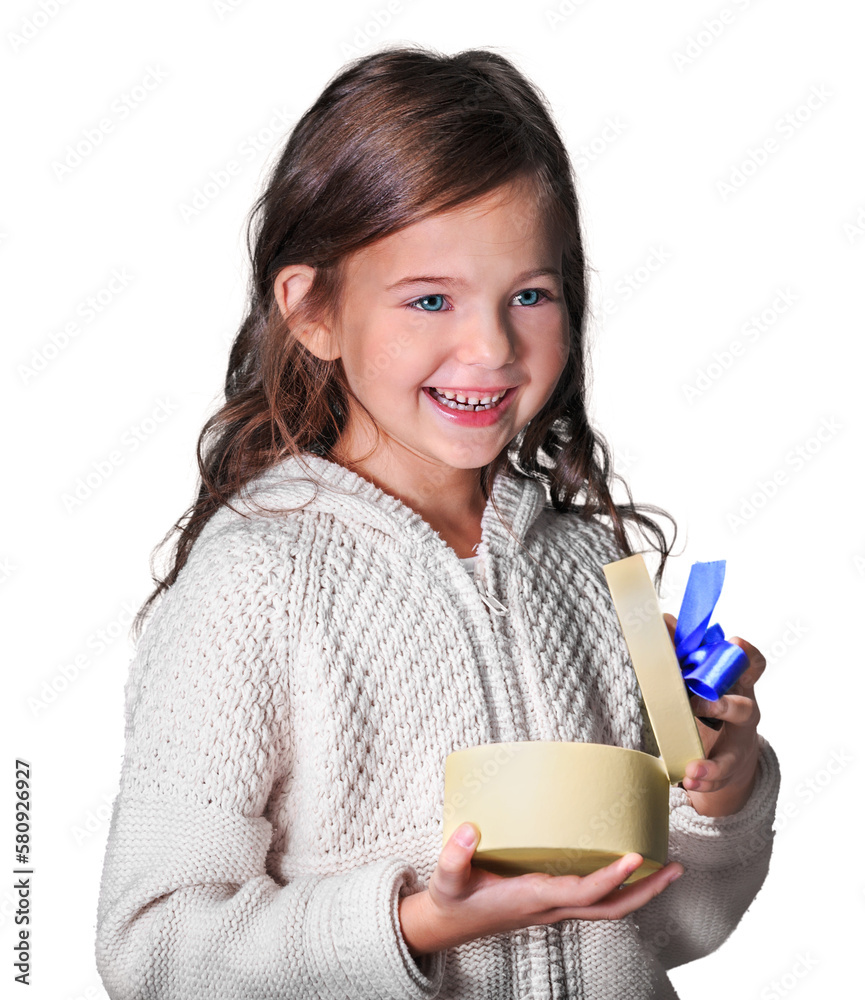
{"points": [[427, 298], [436, 302], [538, 292]]}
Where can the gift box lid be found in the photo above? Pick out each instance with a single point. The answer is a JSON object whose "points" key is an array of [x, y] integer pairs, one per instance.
{"points": [[655, 663]]}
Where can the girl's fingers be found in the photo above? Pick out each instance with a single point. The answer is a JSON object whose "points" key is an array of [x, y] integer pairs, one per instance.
{"points": [[573, 890], [756, 662], [710, 775], [623, 901], [736, 709]]}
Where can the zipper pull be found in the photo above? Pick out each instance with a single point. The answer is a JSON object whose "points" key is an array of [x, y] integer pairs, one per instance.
{"points": [[491, 602]]}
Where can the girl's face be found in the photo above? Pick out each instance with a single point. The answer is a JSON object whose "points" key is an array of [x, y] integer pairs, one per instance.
{"points": [[468, 302]]}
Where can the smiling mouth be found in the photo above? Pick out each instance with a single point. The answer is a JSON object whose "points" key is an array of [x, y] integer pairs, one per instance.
{"points": [[468, 400]]}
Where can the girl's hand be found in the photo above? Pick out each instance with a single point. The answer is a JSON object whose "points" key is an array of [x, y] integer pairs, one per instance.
{"points": [[722, 783], [464, 902]]}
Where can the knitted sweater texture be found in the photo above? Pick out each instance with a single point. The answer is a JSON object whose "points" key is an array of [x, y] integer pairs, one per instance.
{"points": [[289, 710]]}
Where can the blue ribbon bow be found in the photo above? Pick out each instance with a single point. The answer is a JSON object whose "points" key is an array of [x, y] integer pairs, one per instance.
{"points": [[710, 664]]}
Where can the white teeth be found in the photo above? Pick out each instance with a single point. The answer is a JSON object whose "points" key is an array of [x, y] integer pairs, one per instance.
{"points": [[471, 400], [457, 400]]}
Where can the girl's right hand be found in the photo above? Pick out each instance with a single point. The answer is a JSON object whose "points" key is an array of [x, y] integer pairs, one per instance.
{"points": [[464, 902]]}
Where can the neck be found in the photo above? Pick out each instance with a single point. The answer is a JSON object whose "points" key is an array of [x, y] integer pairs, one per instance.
{"points": [[449, 499]]}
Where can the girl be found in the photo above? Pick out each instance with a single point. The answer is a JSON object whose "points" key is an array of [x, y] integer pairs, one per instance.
{"points": [[386, 562]]}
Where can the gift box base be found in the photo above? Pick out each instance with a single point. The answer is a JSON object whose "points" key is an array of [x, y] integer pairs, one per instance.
{"points": [[559, 808], [554, 861]]}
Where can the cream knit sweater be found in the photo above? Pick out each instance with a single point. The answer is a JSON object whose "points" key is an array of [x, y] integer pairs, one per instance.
{"points": [[288, 714]]}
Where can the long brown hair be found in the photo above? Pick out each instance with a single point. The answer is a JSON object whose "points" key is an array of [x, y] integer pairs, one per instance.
{"points": [[395, 137]]}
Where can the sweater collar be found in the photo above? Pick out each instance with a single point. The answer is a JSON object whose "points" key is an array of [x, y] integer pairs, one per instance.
{"points": [[324, 486]]}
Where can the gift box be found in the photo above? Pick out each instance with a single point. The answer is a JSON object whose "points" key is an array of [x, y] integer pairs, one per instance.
{"points": [[569, 808]]}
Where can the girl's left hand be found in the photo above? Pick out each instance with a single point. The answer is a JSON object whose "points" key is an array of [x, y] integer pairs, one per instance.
{"points": [[722, 783]]}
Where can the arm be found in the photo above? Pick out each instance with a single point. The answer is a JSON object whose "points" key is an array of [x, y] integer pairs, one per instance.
{"points": [[720, 826], [726, 859], [187, 909]]}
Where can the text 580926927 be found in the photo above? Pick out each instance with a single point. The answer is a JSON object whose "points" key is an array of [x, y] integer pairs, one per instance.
{"points": [[22, 857]]}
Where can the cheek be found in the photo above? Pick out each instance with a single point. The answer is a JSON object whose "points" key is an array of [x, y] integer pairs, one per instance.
{"points": [[371, 357], [546, 352], [562, 338], [392, 359], [411, 358]]}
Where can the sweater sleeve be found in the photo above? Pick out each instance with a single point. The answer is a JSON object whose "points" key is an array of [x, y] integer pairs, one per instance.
{"points": [[726, 859], [187, 909]]}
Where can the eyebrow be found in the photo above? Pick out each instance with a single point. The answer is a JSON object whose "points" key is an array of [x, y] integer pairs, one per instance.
{"points": [[429, 279]]}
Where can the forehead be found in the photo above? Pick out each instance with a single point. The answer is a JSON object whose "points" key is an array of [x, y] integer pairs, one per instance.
{"points": [[507, 226]]}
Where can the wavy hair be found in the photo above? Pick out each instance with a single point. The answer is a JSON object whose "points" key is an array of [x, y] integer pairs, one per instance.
{"points": [[395, 137]]}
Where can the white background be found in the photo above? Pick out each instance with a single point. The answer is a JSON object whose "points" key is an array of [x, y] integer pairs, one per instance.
{"points": [[694, 99]]}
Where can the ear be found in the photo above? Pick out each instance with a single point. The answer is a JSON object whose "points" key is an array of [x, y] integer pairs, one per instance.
{"points": [[289, 287]]}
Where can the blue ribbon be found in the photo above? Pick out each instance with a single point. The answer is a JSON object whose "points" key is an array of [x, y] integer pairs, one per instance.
{"points": [[710, 664]]}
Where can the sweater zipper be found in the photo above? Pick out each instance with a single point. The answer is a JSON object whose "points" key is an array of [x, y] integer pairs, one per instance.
{"points": [[499, 610], [495, 605]]}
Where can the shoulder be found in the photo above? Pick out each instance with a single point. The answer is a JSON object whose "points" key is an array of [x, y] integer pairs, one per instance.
{"points": [[218, 632], [238, 575], [234, 552], [256, 538], [591, 539], [572, 550]]}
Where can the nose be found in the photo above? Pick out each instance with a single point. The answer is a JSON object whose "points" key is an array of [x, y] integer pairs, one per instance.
{"points": [[485, 338]]}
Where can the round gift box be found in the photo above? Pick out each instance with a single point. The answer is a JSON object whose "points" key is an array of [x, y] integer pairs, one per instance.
{"points": [[560, 808]]}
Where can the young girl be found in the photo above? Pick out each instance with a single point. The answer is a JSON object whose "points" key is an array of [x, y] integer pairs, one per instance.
{"points": [[387, 562]]}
